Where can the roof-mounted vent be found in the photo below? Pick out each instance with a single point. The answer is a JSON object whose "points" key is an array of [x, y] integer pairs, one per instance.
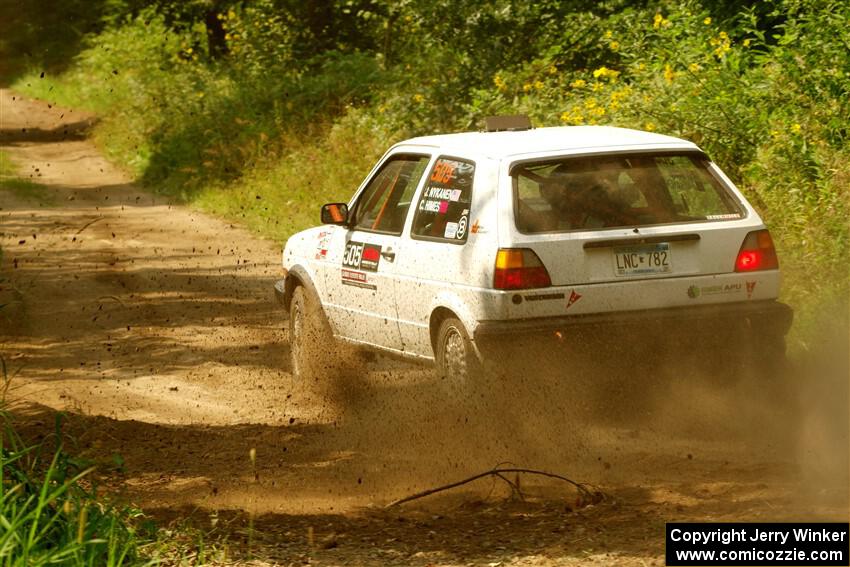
{"points": [[507, 123]]}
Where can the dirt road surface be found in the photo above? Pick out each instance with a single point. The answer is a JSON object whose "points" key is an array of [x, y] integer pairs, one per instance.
{"points": [[153, 326]]}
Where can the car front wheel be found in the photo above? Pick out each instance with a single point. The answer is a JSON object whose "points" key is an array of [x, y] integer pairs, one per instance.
{"points": [[307, 332], [318, 360]]}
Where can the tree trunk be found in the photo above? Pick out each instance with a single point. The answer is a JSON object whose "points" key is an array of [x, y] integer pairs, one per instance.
{"points": [[216, 44]]}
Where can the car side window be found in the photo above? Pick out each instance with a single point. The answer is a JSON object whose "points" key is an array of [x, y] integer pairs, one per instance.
{"points": [[443, 209], [383, 204]]}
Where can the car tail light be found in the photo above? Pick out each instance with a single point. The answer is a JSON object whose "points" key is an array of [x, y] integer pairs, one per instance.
{"points": [[757, 253], [519, 268]]}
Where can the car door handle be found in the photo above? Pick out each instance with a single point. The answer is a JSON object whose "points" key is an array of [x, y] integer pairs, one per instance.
{"points": [[389, 254]]}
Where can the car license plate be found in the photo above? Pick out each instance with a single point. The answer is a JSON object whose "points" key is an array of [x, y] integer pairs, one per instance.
{"points": [[643, 259]]}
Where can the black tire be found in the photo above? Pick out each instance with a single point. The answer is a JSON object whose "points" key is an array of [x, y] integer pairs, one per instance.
{"points": [[458, 365], [317, 359], [309, 338]]}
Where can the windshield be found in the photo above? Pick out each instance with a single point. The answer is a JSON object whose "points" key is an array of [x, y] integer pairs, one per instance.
{"points": [[613, 191]]}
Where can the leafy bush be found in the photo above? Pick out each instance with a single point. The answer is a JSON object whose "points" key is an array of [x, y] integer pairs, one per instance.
{"points": [[773, 111]]}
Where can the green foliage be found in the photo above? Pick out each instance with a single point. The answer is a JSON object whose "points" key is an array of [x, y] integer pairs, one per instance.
{"points": [[50, 515], [310, 93]]}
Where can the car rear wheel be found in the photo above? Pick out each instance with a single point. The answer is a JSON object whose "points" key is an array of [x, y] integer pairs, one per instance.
{"points": [[457, 361]]}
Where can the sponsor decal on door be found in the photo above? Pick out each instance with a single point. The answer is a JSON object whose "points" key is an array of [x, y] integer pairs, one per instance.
{"points": [[358, 259]]}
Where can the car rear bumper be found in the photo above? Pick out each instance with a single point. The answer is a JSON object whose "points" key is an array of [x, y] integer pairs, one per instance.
{"points": [[770, 317]]}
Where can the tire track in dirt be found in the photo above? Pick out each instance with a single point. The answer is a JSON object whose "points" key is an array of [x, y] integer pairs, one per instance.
{"points": [[131, 307]]}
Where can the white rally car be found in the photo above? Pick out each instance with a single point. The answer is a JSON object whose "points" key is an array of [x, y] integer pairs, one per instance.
{"points": [[457, 246]]}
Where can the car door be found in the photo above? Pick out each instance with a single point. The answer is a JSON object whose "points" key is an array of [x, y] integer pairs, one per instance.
{"points": [[361, 257], [435, 256]]}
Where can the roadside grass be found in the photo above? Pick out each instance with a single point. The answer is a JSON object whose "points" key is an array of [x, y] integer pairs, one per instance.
{"points": [[49, 507], [52, 511], [282, 195], [19, 187]]}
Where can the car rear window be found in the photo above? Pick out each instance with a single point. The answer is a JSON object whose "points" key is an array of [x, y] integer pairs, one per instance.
{"points": [[611, 191]]}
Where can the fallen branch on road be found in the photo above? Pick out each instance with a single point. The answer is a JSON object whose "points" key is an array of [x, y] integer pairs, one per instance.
{"points": [[88, 224], [588, 495]]}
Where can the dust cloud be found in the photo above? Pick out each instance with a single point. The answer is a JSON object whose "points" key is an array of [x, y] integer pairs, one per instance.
{"points": [[823, 391], [614, 412]]}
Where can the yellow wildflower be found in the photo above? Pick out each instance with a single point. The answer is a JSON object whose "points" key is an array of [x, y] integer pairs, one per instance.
{"points": [[707, 21], [614, 45], [656, 21], [552, 69], [795, 128], [500, 82], [590, 103], [573, 116], [723, 35], [599, 111], [694, 67], [578, 83], [601, 72], [669, 73], [418, 98], [231, 15], [649, 127], [722, 49], [747, 42], [608, 34], [526, 87], [538, 85]]}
